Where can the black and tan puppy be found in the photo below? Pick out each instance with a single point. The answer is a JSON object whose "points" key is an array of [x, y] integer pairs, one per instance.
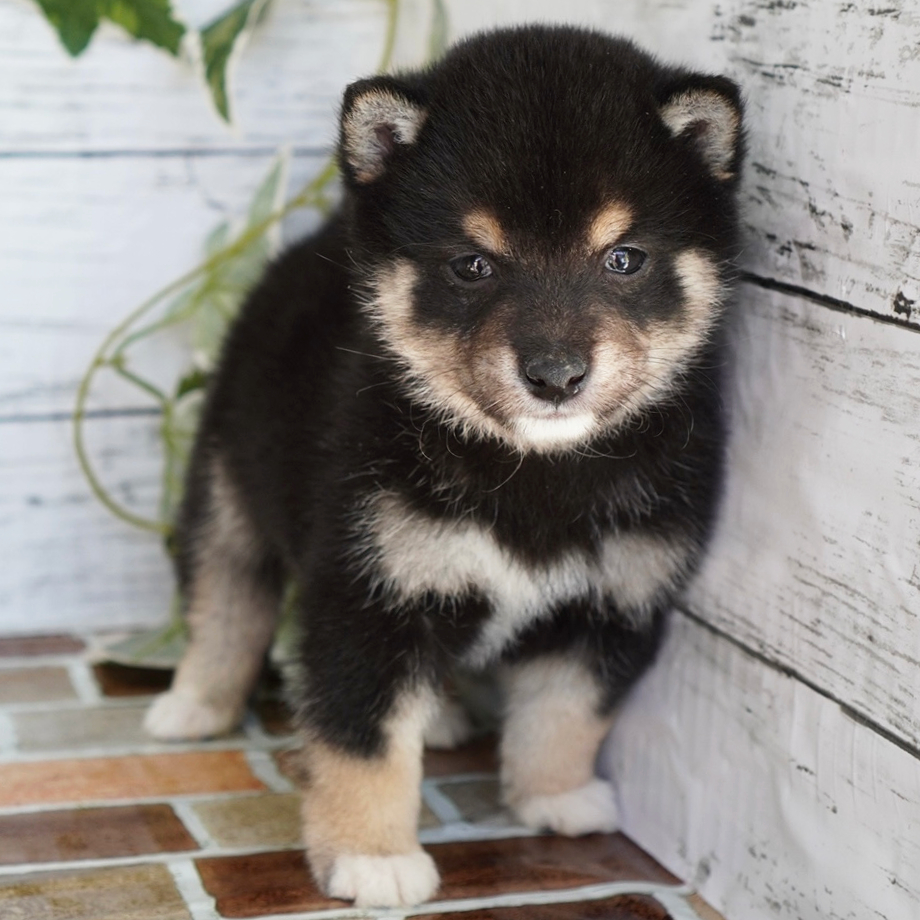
{"points": [[477, 419]]}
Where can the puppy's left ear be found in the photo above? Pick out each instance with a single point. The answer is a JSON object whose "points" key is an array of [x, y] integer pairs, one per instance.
{"points": [[708, 112], [378, 116]]}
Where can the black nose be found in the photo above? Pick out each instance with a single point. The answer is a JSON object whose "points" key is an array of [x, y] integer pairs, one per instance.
{"points": [[554, 375]]}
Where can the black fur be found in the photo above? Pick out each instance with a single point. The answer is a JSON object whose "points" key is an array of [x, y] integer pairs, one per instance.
{"points": [[309, 412]]}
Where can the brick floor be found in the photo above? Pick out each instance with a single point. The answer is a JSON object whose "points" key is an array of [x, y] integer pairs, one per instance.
{"points": [[99, 822]]}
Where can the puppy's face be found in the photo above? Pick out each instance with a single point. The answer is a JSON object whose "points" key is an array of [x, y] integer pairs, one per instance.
{"points": [[545, 228]]}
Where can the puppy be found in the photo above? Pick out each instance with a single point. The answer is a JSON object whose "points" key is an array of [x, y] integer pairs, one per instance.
{"points": [[476, 419]]}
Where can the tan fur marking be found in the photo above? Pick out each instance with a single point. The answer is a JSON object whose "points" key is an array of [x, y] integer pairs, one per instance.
{"points": [[368, 807], [231, 616], [609, 227], [485, 230], [553, 732], [722, 122], [368, 112]]}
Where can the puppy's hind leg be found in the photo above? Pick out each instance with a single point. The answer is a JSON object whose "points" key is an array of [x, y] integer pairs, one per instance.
{"points": [[232, 590]]}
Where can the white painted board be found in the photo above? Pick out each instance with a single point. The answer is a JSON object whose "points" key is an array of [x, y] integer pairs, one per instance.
{"points": [[816, 563], [67, 564], [763, 792], [832, 187], [122, 96], [84, 241]]}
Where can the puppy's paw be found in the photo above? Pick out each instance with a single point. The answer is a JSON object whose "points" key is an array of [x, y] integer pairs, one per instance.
{"points": [[449, 727], [175, 716], [590, 808], [384, 881]]}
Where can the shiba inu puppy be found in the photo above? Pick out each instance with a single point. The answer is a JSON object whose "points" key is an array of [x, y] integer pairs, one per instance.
{"points": [[477, 420]]}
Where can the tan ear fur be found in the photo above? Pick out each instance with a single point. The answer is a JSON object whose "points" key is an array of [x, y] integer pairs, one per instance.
{"points": [[714, 122], [374, 123]]}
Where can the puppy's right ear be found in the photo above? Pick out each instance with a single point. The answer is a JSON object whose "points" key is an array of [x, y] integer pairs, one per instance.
{"points": [[378, 115]]}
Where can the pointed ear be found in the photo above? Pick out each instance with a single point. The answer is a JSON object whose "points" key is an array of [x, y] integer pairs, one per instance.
{"points": [[708, 112], [378, 115]]}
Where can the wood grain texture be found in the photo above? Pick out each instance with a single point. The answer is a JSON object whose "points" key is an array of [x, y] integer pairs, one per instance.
{"points": [[124, 96], [84, 240], [67, 563], [763, 792], [832, 189], [815, 564]]}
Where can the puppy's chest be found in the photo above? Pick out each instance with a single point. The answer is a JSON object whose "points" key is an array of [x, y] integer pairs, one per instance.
{"points": [[411, 552]]}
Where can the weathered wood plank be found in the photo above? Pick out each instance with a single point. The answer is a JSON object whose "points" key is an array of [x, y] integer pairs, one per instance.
{"points": [[122, 95], [765, 792], [67, 563], [832, 190], [83, 241], [816, 561]]}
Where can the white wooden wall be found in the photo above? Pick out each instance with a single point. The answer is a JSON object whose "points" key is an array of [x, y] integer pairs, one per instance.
{"points": [[774, 755]]}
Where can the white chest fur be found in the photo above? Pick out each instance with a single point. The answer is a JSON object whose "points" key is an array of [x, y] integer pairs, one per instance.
{"points": [[408, 554]]}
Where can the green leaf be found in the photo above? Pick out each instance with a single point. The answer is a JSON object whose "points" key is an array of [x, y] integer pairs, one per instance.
{"points": [[195, 379], [149, 20], [440, 26], [220, 39]]}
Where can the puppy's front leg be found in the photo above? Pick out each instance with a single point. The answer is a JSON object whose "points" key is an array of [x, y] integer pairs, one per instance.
{"points": [[360, 813]]}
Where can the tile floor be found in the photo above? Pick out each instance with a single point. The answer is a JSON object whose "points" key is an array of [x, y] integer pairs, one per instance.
{"points": [[97, 822]]}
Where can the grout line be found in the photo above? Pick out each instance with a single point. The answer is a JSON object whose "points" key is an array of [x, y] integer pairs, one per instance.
{"points": [[17, 662], [200, 904], [8, 738], [84, 682], [102, 702], [264, 768], [466, 832], [143, 749], [136, 860], [185, 812], [445, 810], [70, 805]]}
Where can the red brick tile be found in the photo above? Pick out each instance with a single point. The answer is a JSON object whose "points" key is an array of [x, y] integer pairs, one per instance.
{"points": [[279, 883], [264, 883], [91, 833], [114, 778], [478, 756], [35, 685], [122, 680], [21, 646], [624, 907], [488, 867], [123, 893]]}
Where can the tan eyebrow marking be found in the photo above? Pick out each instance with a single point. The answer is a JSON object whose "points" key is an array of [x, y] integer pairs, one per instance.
{"points": [[486, 231], [609, 226]]}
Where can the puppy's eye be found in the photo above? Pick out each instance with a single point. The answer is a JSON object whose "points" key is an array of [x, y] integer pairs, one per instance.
{"points": [[624, 260], [471, 268]]}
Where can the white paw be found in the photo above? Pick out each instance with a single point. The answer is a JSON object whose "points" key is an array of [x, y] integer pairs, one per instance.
{"points": [[384, 881], [175, 716], [449, 727], [590, 808]]}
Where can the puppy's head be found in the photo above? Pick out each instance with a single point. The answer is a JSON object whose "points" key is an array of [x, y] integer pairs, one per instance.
{"points": [[544, 224]]}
